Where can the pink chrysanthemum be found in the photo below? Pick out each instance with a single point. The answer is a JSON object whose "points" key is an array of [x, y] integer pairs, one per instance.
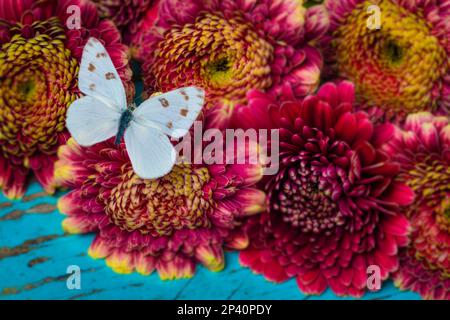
{"points": [[126, 14], [334, 206], [168, 224], [401, 68], [39, 61], [228, 47], [423, 149]]}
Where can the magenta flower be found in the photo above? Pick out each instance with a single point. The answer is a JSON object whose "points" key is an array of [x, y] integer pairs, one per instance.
{"points": [[127, 15], [335, 204]]}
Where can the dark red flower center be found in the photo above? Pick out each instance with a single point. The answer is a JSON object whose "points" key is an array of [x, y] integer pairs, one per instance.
{"points": [[307, 190], [303, 199]]}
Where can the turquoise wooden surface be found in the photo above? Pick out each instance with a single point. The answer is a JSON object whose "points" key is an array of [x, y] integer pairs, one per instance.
{"points": [[35, 253]]}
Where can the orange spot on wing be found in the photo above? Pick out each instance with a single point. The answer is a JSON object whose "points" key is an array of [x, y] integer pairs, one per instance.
{"points": [[170, 125], [91, 67], [184, 94], [110, 76], [164, 102], [184, 112]]}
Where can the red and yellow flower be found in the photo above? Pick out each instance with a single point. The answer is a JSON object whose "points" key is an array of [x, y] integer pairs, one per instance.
{"points": [[167, 224], [39, 61], [401, 68], [422, 147], [229, 47]]}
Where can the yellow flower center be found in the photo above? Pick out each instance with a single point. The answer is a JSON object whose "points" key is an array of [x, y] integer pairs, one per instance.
{"points": [[226, 57], [443, 215], [37, 76], [430, 179], [159, 207], [396, 67]]}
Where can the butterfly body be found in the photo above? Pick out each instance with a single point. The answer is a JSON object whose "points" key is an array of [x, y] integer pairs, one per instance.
{"points": [[124, 123], [103, 113]]}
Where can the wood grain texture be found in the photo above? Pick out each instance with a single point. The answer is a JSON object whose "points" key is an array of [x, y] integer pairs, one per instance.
{"points": [[35, 253]]}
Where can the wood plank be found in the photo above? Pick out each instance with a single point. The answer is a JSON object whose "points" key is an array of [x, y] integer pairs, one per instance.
{"points": [[35, 253]]}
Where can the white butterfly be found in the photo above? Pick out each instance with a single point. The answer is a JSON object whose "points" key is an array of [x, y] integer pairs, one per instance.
{"points": [[103, 113]]}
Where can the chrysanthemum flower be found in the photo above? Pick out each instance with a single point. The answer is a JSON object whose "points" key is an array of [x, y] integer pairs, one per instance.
{"points": [[167, 224], [126, 14], [423, 149], [39, 60], [334, 206], [229, 47], [401, 68]]}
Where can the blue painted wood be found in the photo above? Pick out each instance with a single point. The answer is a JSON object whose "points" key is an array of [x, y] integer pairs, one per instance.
{"points": [[35, 253]]}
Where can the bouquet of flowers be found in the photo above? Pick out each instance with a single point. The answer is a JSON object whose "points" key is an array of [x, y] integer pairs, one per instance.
{"points": [[357, 92]]}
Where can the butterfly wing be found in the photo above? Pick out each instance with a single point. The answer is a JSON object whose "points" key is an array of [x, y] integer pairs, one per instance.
{"points": [[95, 117], [173, 112], [150, 151], [90, 121], [99, 78]]}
